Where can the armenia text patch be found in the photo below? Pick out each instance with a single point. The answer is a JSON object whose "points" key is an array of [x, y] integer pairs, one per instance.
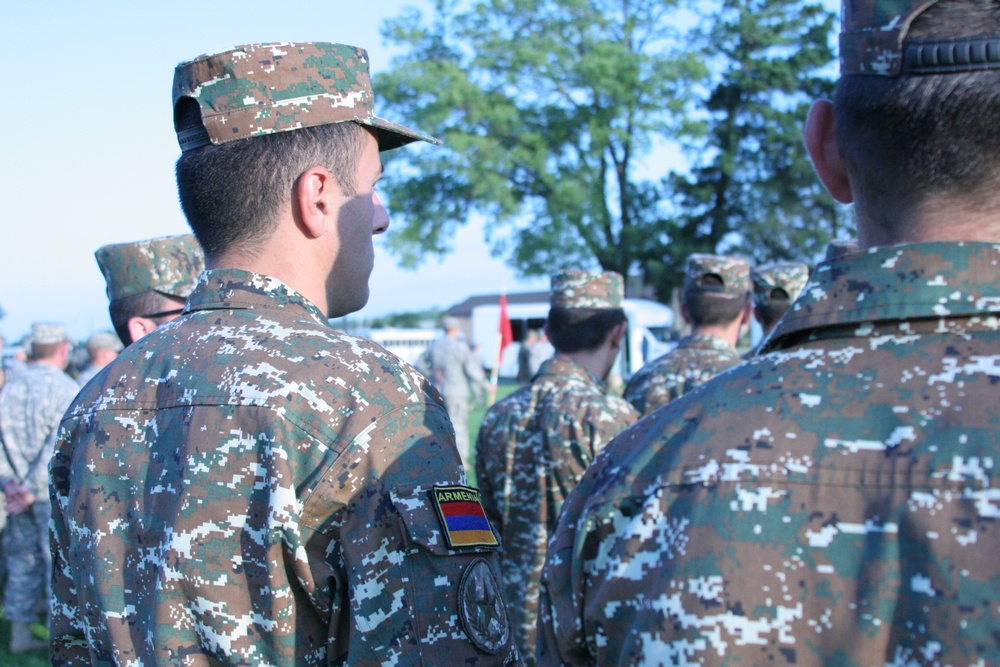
{"points": [[463, 517]]}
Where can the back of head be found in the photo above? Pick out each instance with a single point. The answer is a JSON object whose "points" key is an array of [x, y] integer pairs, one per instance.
{"points": [[584, 307], [915, 105], [716, 288], [47, 340], [103, 340], [775, 287], [140, 274], [251, 119]]}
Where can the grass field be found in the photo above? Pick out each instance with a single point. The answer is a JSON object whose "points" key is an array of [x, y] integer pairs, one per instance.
{"points": [[41, 658]]}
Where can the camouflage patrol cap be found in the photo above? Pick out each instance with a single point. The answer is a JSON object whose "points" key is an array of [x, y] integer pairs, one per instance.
{"points": [[575, 288], [778, 280], [169, 265], [104, 340], [721, 274], [873, 42], [258, 89], [47, 333]]}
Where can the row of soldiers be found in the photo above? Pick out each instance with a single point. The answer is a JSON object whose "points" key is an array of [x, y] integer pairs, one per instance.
{"points": [[535, 445], [245, 485]]}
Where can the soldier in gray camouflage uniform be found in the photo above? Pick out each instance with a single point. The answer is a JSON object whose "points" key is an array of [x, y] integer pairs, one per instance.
{"points": [[716, 302], [534, 445], [835, 500], [149, 281], [31, 405], [457, 373], [246, 485]]}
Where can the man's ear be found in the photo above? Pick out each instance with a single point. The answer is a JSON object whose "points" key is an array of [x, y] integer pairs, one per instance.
{"points": [[139, 327], [315, 196], [821, 141], [617, 334]]}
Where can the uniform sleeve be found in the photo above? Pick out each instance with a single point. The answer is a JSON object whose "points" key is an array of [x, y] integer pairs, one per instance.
{"points": [[418, 560], [59, 399], [560, 639], [68, 645]]}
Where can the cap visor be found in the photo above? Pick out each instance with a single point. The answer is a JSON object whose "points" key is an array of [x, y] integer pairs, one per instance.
{"points": [[393, 135]]}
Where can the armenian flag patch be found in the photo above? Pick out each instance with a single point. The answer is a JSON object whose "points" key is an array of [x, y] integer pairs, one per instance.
{"points": [[463, 517]]}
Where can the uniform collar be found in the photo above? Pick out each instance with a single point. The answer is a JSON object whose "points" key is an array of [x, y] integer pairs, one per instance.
{"points": [[900, 282], [236, 289]]}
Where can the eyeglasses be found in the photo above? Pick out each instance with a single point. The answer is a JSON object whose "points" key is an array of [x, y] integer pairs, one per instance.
{"points": [[163, 313]]}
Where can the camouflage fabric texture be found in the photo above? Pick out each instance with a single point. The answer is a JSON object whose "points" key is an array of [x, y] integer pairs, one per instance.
{"points": [[832, 502], [733, 272], [31, 405], [247, 486], [696, 359], [576, 288], [169, 265], [48, 333], [872, 34], [532, 449], [259, 89], [782, 281]]}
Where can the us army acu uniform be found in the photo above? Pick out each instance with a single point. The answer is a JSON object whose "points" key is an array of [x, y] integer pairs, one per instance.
{"points": [[534, 445], [31, 405], [451, 366], [699, 356], [251, 487]]}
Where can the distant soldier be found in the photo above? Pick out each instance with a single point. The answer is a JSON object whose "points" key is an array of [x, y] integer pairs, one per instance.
{"points": [[716, 303], [102, 349], [524, 369], [450, 365], [149, 281], [534, 445], [775, 287], [835, 499], [31, 405]]}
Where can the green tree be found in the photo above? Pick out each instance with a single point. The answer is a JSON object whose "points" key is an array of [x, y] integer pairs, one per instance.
{"points": [[550, 111], [751, 188]]}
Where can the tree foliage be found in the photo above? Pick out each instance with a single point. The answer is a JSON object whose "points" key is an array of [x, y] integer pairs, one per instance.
{"points": [[555, 116]]}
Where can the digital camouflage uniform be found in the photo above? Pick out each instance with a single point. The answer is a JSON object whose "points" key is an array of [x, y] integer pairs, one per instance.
{"points": [[534, 446], [31, 405], [255, 487], [246, 485], [699, 356], [832, 502]]}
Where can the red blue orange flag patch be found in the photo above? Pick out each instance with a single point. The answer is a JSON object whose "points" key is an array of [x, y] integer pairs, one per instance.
{"points": [[463, 517]]}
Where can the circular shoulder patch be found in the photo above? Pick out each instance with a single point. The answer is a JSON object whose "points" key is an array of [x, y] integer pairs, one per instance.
{"points": [[482, 609]]}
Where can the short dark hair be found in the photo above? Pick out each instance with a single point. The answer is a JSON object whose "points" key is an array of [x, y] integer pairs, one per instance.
{"points": [[136, 305], [769, 313], [44, 350], [908, 137], [710, 308], [581, 329], [231, 193]]}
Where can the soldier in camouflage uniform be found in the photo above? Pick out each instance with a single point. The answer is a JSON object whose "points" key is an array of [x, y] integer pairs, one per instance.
{"points": [[31, 405], [834, 501], [149, 281], [775, 287], [534, 445], [246, 485], [451, 366], [716, 302]]}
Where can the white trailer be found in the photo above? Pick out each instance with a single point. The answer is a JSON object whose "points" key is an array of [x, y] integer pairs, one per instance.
{"points": [[649, 333]]}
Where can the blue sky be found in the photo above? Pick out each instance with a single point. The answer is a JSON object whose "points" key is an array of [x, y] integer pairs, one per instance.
{"points": [[89, 149]]}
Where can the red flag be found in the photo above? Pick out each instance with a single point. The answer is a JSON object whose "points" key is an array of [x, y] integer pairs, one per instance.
{"points": [[506, 333]]}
